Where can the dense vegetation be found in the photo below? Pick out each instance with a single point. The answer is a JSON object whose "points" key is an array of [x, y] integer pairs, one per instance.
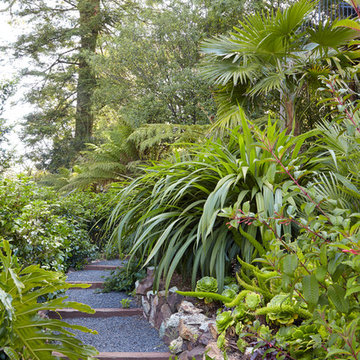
{"points": [[233, 161]]}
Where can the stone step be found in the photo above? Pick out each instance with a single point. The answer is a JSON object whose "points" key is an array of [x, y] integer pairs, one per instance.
{"points": [[102, 267], [127, 356], [99, 313], [93, 284]]}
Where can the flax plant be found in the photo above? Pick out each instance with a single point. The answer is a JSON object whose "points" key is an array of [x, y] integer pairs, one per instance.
{"points": [[169, 215]]}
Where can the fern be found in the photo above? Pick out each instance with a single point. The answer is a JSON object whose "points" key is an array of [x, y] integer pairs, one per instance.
{"points": [[153, 140]]}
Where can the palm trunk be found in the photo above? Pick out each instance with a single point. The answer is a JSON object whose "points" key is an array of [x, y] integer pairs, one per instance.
{"points": [[287, 108]]}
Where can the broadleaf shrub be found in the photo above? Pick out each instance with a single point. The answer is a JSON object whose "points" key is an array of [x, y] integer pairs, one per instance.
{"points": [[42, 228]]}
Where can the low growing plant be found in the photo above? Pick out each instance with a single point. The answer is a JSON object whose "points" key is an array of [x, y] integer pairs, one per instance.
{"points": [[123, 279]]}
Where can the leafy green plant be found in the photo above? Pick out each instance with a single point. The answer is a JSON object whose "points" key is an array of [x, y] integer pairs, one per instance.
{"points": [[125, 303], [169, 215], [275, 59], [207, 283], [40, 227], [123, 279], [23, 333], [319, 263]]}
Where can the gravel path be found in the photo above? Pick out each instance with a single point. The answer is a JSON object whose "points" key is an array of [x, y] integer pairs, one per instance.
{"points": [[125, 334], [96, 299], [88, 275]]}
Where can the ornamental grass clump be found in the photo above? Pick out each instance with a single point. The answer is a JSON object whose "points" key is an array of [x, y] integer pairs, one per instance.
{"points": [[170, 215]]}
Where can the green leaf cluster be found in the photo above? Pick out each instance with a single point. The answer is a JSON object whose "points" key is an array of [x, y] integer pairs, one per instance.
{"points": [[169, 215], [24, 334]]}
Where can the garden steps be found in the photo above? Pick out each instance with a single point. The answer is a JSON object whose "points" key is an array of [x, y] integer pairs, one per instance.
{"points": [[123, 333]]}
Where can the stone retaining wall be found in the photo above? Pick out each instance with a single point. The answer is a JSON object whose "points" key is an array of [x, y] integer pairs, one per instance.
{"points": [[182, 326]]}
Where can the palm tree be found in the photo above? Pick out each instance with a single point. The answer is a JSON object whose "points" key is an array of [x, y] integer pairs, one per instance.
{"points": [[274, 53]]}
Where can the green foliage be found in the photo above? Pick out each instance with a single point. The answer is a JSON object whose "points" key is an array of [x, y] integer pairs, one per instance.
{"points": [[148, 69], [111, 161], [23, 333], [58, 40], [282, 310], [272, 61], [6, 90], [207, 284], [224, 320], [314, 271], [125, 303], [169, 215], [40, 228], [252, 300], [123, 279]]}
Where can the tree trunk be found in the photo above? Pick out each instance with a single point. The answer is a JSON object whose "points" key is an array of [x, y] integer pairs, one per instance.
{"points": [[290, 120], [90, 26]]}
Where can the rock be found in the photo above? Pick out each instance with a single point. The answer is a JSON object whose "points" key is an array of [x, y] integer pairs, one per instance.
{"points": [[213, 351], [146, 306], [188, 307], [153, 310], [196, 319], [206, 325], [248, 352], [145, 285], [162, 314], [169, 329], [184, 356], [197, 353], [205, 338], [161, 293], [188, 332], [213, 330], [150, 271], [176, 346], [174, 299]]}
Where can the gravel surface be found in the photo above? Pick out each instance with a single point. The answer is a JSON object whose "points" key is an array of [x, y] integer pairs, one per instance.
{"points": [[88, 275], [123, 334], [114, 262], [96, 299]]}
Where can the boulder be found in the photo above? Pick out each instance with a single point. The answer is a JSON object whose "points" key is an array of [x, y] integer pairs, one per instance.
{"points": [[189, 308], [188, 332], [176, 346], [146, 306], [213, 351], [196, 353], [161, 315], [145, 285]]}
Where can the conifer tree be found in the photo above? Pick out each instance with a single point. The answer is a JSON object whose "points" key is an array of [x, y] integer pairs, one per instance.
{"points": [[59, 38]]}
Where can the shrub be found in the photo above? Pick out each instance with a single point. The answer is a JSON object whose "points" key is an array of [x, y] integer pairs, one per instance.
{"points": [[39, 229]]}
